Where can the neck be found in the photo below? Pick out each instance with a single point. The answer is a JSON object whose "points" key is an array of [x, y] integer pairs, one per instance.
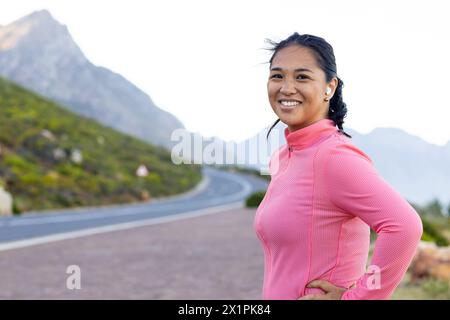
{"points": [[310, 134], [303, 125]]}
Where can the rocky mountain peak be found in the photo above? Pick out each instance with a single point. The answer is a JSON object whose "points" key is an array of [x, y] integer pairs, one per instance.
{"points": [[38, 34], [38, 29], [38, 17]]}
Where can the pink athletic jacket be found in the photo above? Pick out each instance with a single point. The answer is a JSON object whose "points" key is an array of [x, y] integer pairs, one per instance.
{"points": [[314, 220]]}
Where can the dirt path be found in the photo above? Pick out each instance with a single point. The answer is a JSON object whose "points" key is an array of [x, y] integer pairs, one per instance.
{"points": [[215, 256]]}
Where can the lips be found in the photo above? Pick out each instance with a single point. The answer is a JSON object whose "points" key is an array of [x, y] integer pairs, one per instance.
{"points": [[289, 100], [289, 104]]}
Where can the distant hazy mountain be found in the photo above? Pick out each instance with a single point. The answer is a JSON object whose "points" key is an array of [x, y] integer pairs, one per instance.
{"points": [[38, 52], [420, 171]]}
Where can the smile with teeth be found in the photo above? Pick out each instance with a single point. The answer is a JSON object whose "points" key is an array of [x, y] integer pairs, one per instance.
{"points": [[289, 103]]}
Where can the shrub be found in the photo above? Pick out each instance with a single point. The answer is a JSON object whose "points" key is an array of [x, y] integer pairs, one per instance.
{"points": [[430, 233], [254, 199]]}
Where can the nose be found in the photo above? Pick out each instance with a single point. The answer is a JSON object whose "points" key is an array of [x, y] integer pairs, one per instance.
{"points": [[288, 87]]}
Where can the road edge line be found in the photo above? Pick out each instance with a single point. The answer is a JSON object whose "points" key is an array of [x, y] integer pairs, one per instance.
{"points": [[116, 227]]}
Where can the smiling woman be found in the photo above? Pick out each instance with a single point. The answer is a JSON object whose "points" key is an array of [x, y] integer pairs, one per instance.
{"points": [[318, 71], [325, 193]]}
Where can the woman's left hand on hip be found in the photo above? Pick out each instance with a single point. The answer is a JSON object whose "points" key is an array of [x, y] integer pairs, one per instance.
{"points": [[332, 292]]}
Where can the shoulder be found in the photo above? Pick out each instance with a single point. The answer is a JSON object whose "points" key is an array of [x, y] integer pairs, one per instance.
{"points": [[339, 159], [339, 148], [344, 166]]}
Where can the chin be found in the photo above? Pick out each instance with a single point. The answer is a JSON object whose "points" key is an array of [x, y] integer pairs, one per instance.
{"points": [[292, 122]]}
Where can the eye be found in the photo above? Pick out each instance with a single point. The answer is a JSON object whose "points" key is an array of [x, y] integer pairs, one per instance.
{"points": [[301, 75], [275, 76]]}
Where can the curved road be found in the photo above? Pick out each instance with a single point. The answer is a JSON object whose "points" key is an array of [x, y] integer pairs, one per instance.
{"points": [[219, 190]]}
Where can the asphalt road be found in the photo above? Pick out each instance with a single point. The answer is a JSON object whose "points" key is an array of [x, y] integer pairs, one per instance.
{"points": [[219, 189], [214, 254]]}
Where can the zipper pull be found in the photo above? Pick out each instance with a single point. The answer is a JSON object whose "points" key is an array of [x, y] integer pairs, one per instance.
{"points": [[290, 150]]}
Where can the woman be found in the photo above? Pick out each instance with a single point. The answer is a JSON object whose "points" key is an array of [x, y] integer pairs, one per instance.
{"points": [[325, 193]]}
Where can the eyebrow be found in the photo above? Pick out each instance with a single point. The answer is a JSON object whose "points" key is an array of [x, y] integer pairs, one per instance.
{"points": [[296, 70]]}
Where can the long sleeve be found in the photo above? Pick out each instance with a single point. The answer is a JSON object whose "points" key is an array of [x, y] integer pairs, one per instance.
{"points": [[355, 187]]}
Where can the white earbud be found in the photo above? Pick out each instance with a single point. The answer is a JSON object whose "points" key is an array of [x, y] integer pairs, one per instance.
{"points": [[328, 90]]}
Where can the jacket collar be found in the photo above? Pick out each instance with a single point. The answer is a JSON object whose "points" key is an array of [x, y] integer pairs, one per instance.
{"points": [[305, 137]]}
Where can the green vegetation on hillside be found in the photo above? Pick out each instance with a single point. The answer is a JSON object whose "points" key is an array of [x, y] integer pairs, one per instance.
{"points": [[52, 158], [435, 221]]}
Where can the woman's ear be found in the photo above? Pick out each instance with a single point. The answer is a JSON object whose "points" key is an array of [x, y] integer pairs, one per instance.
{"points": [[333, 84], [331, 88]]}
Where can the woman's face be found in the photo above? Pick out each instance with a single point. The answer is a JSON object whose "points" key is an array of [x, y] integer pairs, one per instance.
{"points": [[297, 87]]}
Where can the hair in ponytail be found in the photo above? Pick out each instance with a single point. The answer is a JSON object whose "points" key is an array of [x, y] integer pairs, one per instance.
{"points": [[325, 58]]}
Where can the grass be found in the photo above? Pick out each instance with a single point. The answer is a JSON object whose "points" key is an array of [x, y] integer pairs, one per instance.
{"points": [[426, 289], [39, 141]]}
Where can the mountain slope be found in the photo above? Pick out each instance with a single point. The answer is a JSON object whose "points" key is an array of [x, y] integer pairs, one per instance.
{"points": [[39, 53], [418, 169], [53, 158]]}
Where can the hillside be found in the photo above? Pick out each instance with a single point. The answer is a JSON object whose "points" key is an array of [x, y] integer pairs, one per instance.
{"points": [[39, 53], [53, 158]]}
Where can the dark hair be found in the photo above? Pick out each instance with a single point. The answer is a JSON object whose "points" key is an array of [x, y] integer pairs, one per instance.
{"points": [[324, 54]]}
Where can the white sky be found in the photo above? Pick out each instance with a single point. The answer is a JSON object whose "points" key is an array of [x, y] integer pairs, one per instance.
{"points": [[203, 60]]}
